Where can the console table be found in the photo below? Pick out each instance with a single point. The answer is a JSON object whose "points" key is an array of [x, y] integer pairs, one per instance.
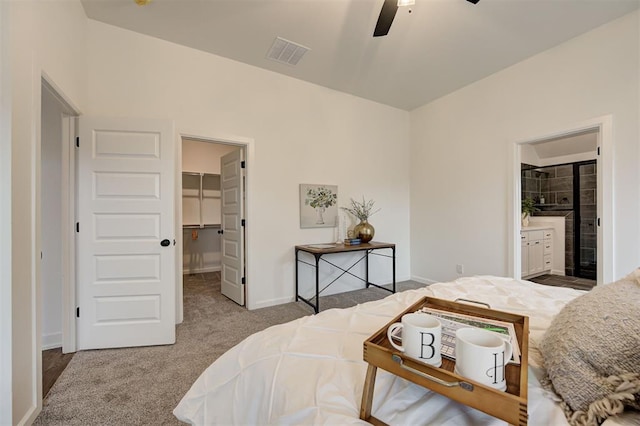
{"points": [[321, 251]]}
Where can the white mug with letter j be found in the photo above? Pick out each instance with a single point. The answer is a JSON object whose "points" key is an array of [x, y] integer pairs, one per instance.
{"points": [[421, 337], [482, 355]]}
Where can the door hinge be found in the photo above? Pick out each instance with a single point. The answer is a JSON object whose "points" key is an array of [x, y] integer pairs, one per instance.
{"points": [[77, 226], [244, 281], [77, 141], [243, 165], [78, 312], [598, 150], [598, 221], [243, 223]]}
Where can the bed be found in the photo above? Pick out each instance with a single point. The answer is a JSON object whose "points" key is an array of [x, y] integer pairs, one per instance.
{"points": [[311, 371]]}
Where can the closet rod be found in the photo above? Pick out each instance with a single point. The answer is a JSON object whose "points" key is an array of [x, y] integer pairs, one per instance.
{"points": [[199, 174], [215, 225]]}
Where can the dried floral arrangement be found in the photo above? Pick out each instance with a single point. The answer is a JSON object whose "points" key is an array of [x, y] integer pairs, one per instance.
{"points": [[362, 210]]}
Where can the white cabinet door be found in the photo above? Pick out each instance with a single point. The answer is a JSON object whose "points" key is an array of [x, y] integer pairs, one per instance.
{"points": [[536, 257], [524, 259], [126, 255]]}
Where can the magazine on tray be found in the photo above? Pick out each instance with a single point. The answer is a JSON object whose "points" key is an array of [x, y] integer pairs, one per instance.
{"points": [[451, 321]]}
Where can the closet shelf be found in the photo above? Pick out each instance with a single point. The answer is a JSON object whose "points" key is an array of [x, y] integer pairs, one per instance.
{"points": [[201, 200], [212, 225]]}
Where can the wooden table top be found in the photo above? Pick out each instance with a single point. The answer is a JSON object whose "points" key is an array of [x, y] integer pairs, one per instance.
{"points": [[341, 248]]}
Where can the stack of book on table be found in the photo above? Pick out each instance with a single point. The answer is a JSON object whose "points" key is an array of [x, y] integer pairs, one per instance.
{"points": [[352, 241]]}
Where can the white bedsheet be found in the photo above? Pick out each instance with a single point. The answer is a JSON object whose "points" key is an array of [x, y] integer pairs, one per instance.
{"points": [[311, 371]]}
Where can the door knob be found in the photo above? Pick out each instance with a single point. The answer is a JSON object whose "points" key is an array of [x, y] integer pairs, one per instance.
{"points": [[221, 231], [165, 243]]}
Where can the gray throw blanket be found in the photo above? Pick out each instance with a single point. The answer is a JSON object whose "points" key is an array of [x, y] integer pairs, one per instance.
{"points": [[591, 352]]}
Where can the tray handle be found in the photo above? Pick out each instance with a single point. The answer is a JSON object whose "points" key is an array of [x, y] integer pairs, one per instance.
{"points": [[473, 301], [463, 385]]}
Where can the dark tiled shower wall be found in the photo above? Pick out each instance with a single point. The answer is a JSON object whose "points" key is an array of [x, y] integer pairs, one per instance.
{"points": [[555, 185]]}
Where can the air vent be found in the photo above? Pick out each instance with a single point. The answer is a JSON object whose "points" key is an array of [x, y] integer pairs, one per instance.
{"points": [[286, 52]]}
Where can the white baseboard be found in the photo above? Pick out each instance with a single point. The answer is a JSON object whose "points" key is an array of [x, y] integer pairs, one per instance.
{"points": [[557, 272], [422, 280], [271, 302], [30, 416], [51, 341], [201, 270]]}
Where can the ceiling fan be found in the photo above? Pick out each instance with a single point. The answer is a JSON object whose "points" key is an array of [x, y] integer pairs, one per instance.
{"points": [[388, 12]]}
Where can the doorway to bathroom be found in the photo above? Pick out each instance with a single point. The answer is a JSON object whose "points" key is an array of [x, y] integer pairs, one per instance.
{"points": [[587, 148], [568, 190]]}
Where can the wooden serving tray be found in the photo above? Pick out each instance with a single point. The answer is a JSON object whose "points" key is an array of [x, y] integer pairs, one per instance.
{"points": [[510, 405]]}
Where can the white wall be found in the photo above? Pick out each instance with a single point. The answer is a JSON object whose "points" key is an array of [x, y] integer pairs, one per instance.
{"points": [[203, 157], [528, 155], [201, 254], [460, 144], [46, 38], [5, 220], [302, 133], [51, 218]]}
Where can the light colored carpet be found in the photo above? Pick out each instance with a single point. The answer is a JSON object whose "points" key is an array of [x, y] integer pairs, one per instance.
{"points": [[141, 386]]}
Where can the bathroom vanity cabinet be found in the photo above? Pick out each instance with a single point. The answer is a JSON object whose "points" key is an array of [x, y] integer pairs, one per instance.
{"points": [[537, 251]]}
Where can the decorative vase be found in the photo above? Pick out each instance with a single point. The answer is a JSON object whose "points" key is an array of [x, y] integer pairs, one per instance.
{"points": [[320, 212], [525, 220], [364, 230]]}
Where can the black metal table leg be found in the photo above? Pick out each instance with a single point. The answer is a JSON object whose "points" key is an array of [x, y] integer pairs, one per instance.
{"points": [[297, 275], [393, 249], [366, 269], [317, 307]]}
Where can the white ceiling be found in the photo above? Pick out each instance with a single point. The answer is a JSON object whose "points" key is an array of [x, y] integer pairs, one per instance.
{"points": [[441, 46], [581, 143]]}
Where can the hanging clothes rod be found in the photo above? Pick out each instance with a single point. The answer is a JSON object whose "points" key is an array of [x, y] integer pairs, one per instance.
{"points": [[214, 226], [199, 174]]}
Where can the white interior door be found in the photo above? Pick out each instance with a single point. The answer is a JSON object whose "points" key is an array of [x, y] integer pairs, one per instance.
{"points": [[232, 241], [126, 253]]}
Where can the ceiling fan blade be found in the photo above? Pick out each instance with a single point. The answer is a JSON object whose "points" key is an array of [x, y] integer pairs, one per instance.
{"points": [[473, 1], [387, 13]]}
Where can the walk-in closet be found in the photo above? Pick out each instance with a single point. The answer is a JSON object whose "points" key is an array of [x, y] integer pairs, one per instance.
{"points": [[201, 205]]}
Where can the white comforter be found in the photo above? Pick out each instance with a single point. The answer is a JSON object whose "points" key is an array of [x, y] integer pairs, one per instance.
{"points": [[310, 371]]}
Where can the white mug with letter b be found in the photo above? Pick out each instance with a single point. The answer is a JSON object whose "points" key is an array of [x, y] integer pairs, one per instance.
{"points": [[482, 355], [421, 337]]}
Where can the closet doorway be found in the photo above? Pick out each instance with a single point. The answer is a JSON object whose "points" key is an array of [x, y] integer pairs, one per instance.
{"points": [[213, 195]]}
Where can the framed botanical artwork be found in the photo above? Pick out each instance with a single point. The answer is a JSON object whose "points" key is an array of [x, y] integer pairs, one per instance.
{"points": [[318, 205]]}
